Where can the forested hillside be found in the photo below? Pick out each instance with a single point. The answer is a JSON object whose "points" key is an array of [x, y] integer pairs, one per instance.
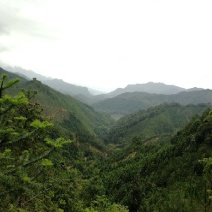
{"points": [[155, 124], [72, 118], [132, 102], [60, 107], [58, 154], [150, 88], [39, 169], [172, 177]]}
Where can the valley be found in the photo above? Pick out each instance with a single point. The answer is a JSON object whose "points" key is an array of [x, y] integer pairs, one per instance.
{"points": [[146, 147]]}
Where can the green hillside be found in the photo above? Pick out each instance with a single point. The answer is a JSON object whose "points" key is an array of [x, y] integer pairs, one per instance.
{"points": [[154, 124], [58, 154], [71, 117], [172, 177], [39, 169], [62, 108], [131, 102], [150, 88]]}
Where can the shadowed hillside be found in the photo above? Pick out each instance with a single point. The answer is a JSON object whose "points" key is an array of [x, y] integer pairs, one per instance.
{"points": [[71, 117], [131, 102]]}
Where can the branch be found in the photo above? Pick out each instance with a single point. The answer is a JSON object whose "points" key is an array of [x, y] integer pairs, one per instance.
{"points": [[1, 87], [5, 111], [29, 162]]}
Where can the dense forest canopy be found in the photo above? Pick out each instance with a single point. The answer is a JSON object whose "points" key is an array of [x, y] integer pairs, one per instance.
{"points": [[59, 154], [40, 171]]}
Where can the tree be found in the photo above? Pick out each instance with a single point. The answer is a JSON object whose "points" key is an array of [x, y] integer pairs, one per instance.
{"points": [[25, 148]]}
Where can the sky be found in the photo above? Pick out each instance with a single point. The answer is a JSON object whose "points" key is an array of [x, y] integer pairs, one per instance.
{"points": [[106, 44]]}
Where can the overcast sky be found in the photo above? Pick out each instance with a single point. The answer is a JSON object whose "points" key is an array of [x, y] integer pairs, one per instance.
{"points": [[107, 44]]}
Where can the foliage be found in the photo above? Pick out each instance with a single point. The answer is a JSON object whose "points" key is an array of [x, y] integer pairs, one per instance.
{"points": [[38, 171], [127, 103], [170, 177], [155, 124], [23, 152], [149, 164]]}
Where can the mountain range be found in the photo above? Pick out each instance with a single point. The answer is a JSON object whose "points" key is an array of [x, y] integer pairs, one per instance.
{"points": [[155, 124], [156, 157], [83, 92], [71, 117], [151, 87], [127, 103]]}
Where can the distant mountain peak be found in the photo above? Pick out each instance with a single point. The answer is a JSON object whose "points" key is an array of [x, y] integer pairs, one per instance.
{"points": [[67, 88], [149, 87], [57, 84]]}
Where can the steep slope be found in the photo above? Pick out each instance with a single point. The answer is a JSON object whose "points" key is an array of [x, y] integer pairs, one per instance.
{"points": [[67, 88], [40, 170], [56, 84], [13, 75], [28, 73], [69, 112], [131, 102], [154, 124], [172, 177], [71, 117]]}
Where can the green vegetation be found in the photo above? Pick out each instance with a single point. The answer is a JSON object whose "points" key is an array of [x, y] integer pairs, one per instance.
{"points": [[172, 177], [40, 171], [154, 124], [72, 118], [58, 154], [24, 153], [128, 103]]}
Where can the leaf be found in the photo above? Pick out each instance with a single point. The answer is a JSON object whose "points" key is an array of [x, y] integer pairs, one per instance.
{"points": [[41, 125], [26, 179], [20, 118], [46, 162], [58, 143]]}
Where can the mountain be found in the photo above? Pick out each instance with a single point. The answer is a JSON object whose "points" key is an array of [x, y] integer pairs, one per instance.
{"points": [[56, 84], [151, 162], [27, 73], [71, 117], [91, 96], [46, 167], [92, 99], [150, 87], [95, 92], [194, 89], [131, 102], [67, 88], [171, 177], [154, 124], [13, 75]]}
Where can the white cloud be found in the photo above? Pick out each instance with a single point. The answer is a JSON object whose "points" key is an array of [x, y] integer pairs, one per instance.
{"points": [[110, 44]]}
